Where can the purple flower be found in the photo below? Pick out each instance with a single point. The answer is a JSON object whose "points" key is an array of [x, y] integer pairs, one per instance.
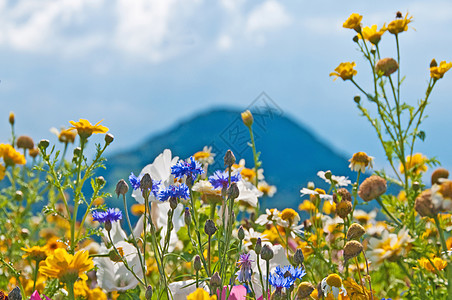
{"points": [[280, 282], [244, 274], [187, 168], [135, 182], [111, 215], [220, 179], [295, 273], [177, 191]]}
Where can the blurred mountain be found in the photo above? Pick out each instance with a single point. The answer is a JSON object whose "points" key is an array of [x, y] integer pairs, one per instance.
{"points": [[291, 155]]}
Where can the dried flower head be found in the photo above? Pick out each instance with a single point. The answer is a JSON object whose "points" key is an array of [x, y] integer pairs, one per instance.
{"points": [[355, 231], [372, 187], [439, 174], [304, 290], [424, 204], [386, 66], [25, 142], [352, 249], [344, 208]]}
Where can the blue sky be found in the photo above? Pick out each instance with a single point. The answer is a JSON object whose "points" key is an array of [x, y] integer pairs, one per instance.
{"points": [[144, 65]]}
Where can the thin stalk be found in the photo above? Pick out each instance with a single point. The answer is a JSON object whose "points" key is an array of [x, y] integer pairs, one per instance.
{"points": [[77, 194], [388, 212], [35, 275], [368, 276], [253, 146]]}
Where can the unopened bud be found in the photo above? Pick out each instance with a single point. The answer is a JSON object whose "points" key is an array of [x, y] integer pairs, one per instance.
{"points": [[146, 182], [258, 246], [100, 180], [357, 99], [173, 202], [416, 185], [355, 38], [328, 175], [241, 233], [266, 253], [33, 152], [247, 118], [115, 257], [189, 181], [210, 228], [433, 63], [18, 196], [77, 151], [298, 257], [148, 294], [11, 118], [43, 144], [108, 225], [229, 159], [355, 232], [233, 191], [344, 208], [187, 216], [215, 280], [121, 187], [109, 138], [352, 249], [311, 185], [197, 263], [24, 233]]}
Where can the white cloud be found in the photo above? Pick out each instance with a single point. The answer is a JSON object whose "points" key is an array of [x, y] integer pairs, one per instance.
{"points": [[269, 16]]}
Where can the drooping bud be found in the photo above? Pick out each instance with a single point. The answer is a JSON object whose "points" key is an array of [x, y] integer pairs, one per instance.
{"points": [[266, 253], [43, 144], [187, 216], [258, 246], [352, 249], [229, 159], [24, 233], [439, 174], [77, 151], [25, 142], [148, 294], [304, 290], [247, 118], [355, 39], [173, 202], [109, 138], [197, 263], [355, 232], [386, 66], [210, 228], [298, 257], [372, 187], [233, 191], [121, 187], [215, 280], [11, 118], [146, 182], [241, 233], [114, 257]]}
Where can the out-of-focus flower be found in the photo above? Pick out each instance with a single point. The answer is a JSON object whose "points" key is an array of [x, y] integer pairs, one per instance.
{"points": [[205, 156], [85, 129], [35, 296], [317, 192], [67, 267], [248, 194], [36, 253], [437, 72], [399, 25], [136, 184], [180, 290], [371, 34], [65, 135], [355, 291], [2, 171], [333, 283], [191, 168], [372, 188], [337, 180], [270, 215], [244, 263], [111, 215], [137, 209], [442, 196], [290, 271], [238, 292], [178, 191], [266, 189], [416, 164], [220, 179], [363, 217], [389, 247], [201, 294], [10, 156], [308, 206], [438, 263], [251, 237], [288, 216], [82, 290], [360, 161], [353, 22], [345, 71]]}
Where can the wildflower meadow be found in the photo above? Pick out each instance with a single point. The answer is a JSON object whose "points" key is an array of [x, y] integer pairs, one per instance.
{"points": [[188, 231]]}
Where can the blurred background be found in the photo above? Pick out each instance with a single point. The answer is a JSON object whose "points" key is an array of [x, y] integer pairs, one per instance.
{"points": [[176, 73]]}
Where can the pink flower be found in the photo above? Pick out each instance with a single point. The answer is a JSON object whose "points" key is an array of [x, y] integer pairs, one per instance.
{"points": [[238, 293], [35, 296]]}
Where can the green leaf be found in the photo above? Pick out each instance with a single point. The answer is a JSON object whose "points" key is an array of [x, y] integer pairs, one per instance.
{"points": [[421, 135], [130, 294]]}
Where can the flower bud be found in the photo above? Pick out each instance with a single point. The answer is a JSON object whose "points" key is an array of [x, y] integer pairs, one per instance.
{"points": [[424, 204], [266, 253], [305, 289], [298, 257], [173, 202], [15, 294], [233, 191], [352, 249], [189, 181], [210, 228], [433, 63], [215, 280], [258, 246], [247, 118], [386, 66], [343, 208], [11, 118], [372, 187], [100, 180], [146, 182], [187, 216], [109, 138], [357, 99], [148, 294], [355, 232], [355, 38], [19, 196], [229, 159], [114, 257], [43, 144], [77, 151], [439, 174], [25, 142], [328, 175], [241, 233], [197, 263], [121, 187], [310, 185], [24, 233], [33, 152], [108, 225]]}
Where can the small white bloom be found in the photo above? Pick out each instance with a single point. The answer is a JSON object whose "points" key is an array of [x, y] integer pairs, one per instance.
{"points": [[305, 191], [338, 180]]}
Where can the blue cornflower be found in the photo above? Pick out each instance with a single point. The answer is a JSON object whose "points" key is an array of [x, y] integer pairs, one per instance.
{"points": [[135, 182], [220, 179], [189, 168], [244, 274], [177, 191], [280, 282], [295, 273], [111, 215]]}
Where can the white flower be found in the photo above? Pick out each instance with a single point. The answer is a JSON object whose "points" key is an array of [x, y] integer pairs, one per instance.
{"points": [[248, 193], [338, 180], [114, 276], [205, 156], [326, 288], [268, 218], [160, 169], [181, 289], [266, 189], [251, 237], [204, 186], [305, 191]]}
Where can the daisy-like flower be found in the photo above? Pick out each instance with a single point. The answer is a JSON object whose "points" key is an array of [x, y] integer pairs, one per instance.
{"points": [[389, 247], [178, 191], [333, 283], [360, 161], [345, 71], [438, 263], [11, 156], [266, 189], [36, 253], [269, 216], [245, 272], [416, 163], [399, 24], [85, 129], [220, 179], [317, 192], [437, 72], [205, 156], [442, 196], [67, 267], [65, 135], [111, 215], [337, 180], [251, 237], [353, 22], [363, 217], [191, 167], [289, 219], [371, 34], [136, 181]]}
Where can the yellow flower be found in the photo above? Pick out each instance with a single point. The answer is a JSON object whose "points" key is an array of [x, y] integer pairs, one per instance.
{"points": [[85, 129], [360, 161], [2, 171], [345, 71], [415, 163], [438, 262], [67, 267], [137, 209], [266, 189], [205, 156], [399, 25], [353, 22], [248, 174], [371, 34], [247, 118], [11, 156], [273, 235], [307, 206], [438, 72], [328, 207], [35, 253], [355, 291], [290, 216], [65, 135], [201, 294]]}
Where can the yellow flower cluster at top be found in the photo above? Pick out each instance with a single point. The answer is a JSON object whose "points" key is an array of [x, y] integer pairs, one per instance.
{"points": [[11, 156]]}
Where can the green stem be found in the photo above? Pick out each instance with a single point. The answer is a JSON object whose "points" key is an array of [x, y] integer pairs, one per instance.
{"points": [[77, 195], [70, 287], [35, 275], [253, 146], [388, 212]]}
